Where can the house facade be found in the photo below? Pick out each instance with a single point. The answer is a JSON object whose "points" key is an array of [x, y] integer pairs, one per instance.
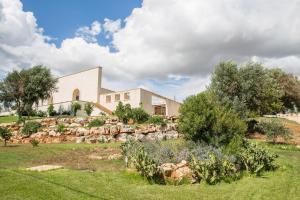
{"points": [[86, 87]]}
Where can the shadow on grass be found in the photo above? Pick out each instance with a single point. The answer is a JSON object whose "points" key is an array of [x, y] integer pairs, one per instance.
{"points": [[57, 184], [10, 146]]}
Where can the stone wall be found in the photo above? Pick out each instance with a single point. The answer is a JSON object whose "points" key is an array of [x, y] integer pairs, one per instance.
{"points": [[76, 130]]}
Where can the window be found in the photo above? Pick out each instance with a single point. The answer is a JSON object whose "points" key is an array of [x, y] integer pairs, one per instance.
{"points": [[126, 96], [117, 97], [108, 99]]}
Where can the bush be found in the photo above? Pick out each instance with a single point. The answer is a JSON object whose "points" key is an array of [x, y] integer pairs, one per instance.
{"points": [[34, 143], [139, 115], [202, 119], [5, 134], [30, 128], [256, 159], [124, 113], [96, 123], [60, 128], [213, 169], [88, 108], [41, 113], [75, 106], [273, 129], [51, 111], [157, 120]]}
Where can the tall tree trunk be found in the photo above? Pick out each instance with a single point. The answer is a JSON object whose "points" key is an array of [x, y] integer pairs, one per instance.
{"points": [[5, 142]]}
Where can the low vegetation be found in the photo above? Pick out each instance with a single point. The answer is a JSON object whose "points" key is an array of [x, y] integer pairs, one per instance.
{"points": [[5, 134], [31, 127], [88, 108], [96, 123], [60, 128], [273, 129], [34, 142], [75, 106], [157, 120]]}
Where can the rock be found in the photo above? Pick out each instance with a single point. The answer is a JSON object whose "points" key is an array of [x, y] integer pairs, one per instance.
{"points": [[39, 134], [91, 140], [167, 169], [80, 139], [114, 156], [102, 139], [82, 131], [121, 137], [127, 129], [44, 168], [95, 157], [54, 134], [75, 125]]}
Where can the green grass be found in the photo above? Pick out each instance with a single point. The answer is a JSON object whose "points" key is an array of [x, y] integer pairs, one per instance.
{"points": [[13, 118], [116, 183]]}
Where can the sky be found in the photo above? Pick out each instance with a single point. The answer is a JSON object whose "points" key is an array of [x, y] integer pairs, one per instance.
{"points": [[169, 47]]}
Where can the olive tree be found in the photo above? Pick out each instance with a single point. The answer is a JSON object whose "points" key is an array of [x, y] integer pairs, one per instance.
{"points": [[21, 89]]}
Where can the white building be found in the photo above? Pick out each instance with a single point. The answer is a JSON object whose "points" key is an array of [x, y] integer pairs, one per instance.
{"points": [[86, 87]]}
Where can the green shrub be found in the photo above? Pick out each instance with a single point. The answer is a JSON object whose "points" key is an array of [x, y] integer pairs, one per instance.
{"points": [[273, 129], [31, 127], [202, 119], [157, 120], [5, 134], [124, 113], [34, 143], [51, 111], [96, 123], [41, 113], [139, 115], [256, 159], [75, 106], [60, 128], [88, 108]]}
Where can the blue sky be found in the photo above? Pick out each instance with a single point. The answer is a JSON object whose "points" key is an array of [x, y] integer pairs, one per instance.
{"points": [[167, 46], [61, 18]]}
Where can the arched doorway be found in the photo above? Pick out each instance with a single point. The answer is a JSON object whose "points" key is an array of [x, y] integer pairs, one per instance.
{"points": [[76, 95]]}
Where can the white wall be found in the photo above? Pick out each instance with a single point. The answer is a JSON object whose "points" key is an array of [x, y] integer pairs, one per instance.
{"points": [[87, 82], [134, 101]]}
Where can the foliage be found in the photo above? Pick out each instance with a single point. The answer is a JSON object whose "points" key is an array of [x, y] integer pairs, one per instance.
{"points": [[31, 127], [5, 134], [124, 113], [290, 85], [51, 111], [273, 129], [250, 90], [40, 114], [202, 119], [75, 106], [157, 120], [21, 89], [213, 169], [96, 123], [139, 115], [60, 128], [256, 159], [34, 142], [88, 108]]}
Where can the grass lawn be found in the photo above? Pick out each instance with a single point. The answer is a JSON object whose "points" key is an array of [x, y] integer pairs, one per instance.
{"points": [[83, 178], [13, 118]]}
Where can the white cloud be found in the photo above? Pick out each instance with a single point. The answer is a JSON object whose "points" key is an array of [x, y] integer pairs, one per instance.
{"points": [[89, 33], [111, 26], [175, 43]]}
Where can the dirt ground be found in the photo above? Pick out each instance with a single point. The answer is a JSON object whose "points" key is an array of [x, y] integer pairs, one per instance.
{"points": [[293, 126], [95, 159]]}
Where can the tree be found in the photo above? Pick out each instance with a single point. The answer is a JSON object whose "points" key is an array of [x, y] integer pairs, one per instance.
{"points": [[5, 134], [290, 86], [203, 119], [88, 108], [75, 106], [21, 89], [51, 111], [249, 90]]}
